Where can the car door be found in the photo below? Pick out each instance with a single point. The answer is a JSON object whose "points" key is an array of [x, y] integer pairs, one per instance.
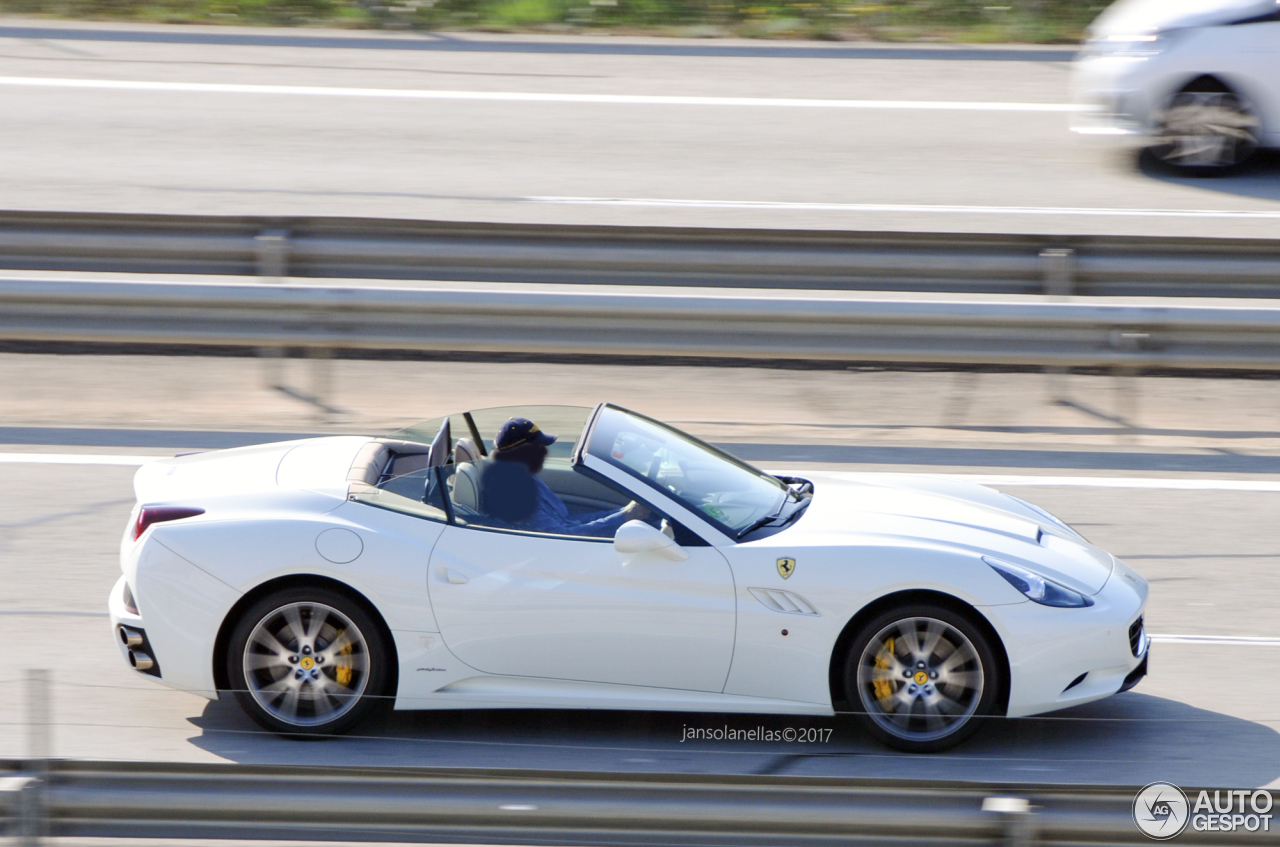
{"points": [[571, 608]]}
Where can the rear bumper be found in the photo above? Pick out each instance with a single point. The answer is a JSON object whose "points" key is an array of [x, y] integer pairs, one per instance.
{"points": [[180, 609], [127, 627]]}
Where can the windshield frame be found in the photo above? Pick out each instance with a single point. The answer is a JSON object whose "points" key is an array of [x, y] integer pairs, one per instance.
{"points": [[581, 453]]}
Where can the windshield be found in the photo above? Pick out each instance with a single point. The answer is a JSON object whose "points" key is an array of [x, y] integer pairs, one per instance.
{"points": [[729, 493]]}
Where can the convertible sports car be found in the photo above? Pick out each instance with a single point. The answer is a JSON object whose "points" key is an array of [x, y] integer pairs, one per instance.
{"points": [[478, 561]]}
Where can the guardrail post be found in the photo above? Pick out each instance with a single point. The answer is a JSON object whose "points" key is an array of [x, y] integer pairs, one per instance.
{"points": [[1126, 383], [272, 248], [33, 823], [1017, 818], [322, 381], [272, 359], [1058, 267]]}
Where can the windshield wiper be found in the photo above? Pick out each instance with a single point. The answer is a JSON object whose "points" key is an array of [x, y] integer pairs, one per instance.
{"points": [[766, 521]]}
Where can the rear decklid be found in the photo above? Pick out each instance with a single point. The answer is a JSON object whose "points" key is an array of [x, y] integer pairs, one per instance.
{"points": [[317, 464]]}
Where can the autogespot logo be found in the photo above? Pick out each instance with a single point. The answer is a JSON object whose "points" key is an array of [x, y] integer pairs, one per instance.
{"points": [[1161, 810]]}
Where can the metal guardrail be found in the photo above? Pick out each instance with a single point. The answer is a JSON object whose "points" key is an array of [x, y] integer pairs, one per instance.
{"points": [[390, 249], [143, 800], [725, 325]]}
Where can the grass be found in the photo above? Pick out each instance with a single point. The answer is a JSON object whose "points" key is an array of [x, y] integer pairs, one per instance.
{"points": [[968, 21]]}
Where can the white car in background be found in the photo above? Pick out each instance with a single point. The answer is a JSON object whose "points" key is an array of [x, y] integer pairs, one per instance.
{"points": [[315, 579], [1198, 80]]}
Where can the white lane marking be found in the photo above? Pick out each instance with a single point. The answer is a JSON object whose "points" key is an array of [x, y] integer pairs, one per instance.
{"points": [[769, 205], [38, 613], [1234, 640], [533, 96], [74, 459], [1157, 483]]}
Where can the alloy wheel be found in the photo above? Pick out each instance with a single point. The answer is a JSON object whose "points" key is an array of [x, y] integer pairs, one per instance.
{"points": [[1206, 130], [920, 679], [306, 664]]}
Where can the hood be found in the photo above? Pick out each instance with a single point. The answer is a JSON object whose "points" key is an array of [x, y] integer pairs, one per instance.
{"points": [[918, 510], [317, 464], [1143, 17]]}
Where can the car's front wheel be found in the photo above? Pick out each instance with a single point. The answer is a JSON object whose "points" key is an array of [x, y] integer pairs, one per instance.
{"points": [[307, 660], [1206, 128], [921, 678]]}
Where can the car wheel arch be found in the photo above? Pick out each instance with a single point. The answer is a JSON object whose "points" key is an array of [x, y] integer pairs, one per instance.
{"points": [[905, 598], [300, 580], [1205, 82], [1241, 86]]}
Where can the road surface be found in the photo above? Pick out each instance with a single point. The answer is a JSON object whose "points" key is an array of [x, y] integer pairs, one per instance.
{"points": [[586, 130]]}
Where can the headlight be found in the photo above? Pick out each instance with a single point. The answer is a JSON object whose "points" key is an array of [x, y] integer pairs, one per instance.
{"points": [[1037, 588], [1042, 513], [1135, 45]]}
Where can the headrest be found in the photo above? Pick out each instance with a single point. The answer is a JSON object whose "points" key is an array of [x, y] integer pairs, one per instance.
{"points": [[465, 450]]}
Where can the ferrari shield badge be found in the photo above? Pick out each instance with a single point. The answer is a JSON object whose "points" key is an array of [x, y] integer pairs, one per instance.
{"points": [[786, 567]]}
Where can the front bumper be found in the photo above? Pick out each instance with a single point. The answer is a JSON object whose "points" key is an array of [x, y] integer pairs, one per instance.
{"points": [[1108, 122], [1135, 676], [1111, 100], [1065, 657]]}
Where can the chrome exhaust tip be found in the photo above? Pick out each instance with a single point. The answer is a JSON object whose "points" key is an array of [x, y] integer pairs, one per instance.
{"points": [[140, 661], [129, 637]]}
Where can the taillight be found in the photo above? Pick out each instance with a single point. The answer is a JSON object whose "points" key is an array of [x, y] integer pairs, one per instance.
{"points": [[148, 515]]}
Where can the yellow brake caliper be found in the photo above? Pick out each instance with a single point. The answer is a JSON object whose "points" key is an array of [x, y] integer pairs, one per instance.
{"points": [[883, 687], [342, 669]]}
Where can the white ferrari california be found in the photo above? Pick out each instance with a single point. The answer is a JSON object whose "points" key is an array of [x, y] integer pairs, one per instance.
{"points": [[481, 561]]}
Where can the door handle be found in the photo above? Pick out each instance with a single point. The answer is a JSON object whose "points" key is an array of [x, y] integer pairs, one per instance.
{"points": [[454, 577]]}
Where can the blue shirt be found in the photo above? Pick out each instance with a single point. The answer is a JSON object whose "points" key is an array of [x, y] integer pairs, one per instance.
{"points": [[552, 515]]}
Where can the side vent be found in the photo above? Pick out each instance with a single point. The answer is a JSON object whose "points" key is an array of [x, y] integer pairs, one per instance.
{"points": [[783, 601]]}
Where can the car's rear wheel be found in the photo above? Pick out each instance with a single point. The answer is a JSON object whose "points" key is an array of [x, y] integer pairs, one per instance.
{"points": [[921, 678], [307, 660], [1206, 128]]}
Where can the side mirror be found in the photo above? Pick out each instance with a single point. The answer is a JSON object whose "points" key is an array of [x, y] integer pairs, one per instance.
{"points": [[639, 537]]}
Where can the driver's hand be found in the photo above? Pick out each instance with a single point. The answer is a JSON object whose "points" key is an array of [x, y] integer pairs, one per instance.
{"points": [[636, 512]]}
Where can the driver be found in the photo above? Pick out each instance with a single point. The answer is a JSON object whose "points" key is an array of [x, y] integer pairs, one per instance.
{"points": [[521, 441]]}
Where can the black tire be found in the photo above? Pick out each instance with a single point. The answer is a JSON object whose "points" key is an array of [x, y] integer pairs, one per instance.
{"points": [[922, 698], [1206, 129], [334, 658]]}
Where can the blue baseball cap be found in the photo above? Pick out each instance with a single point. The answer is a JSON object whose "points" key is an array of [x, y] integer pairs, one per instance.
{"points": [[518, 431]]}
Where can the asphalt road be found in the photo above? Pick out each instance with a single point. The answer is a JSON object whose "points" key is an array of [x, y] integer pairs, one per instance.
{"points": [[1205, 716], [512, 143]]}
